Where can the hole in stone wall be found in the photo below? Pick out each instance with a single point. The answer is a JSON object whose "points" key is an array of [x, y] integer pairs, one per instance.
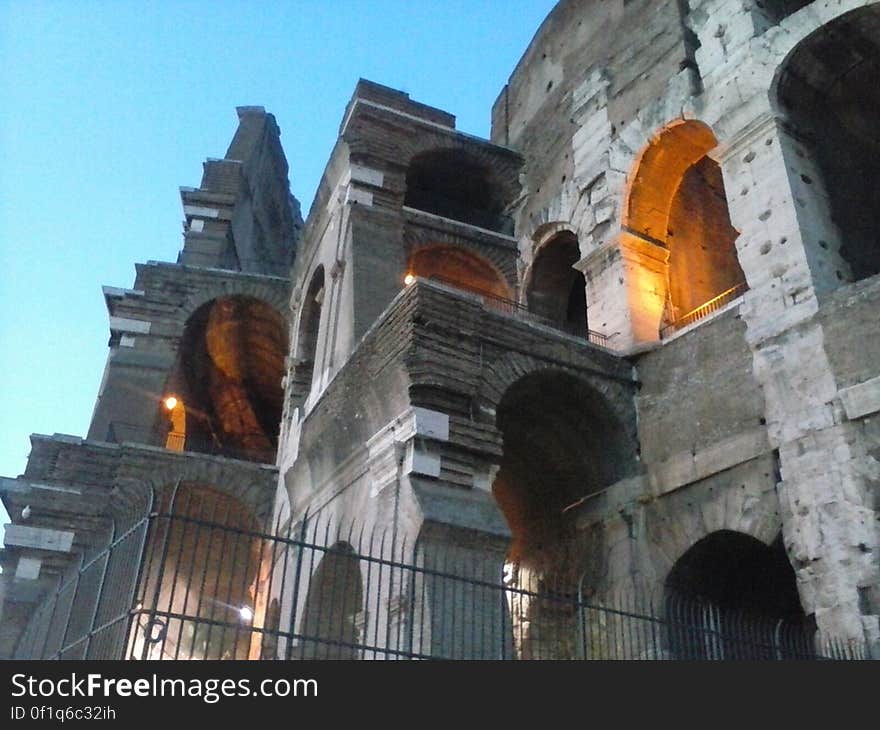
{"points": [[827, 88]]}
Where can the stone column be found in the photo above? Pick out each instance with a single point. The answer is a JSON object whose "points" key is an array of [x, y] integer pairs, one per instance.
{"points": [[828, 525]]}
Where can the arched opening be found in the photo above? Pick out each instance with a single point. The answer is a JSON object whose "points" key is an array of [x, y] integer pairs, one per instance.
{"points": [[827, 90], [197, 595], [232, 360], [557, 291], [307, 338], [561, 444], [677, 202], [732, 596], [330, 625], [459, 268], [453, 184]]}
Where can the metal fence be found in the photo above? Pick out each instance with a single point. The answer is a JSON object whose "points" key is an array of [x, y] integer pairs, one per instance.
{"points": [[704, 310], [199, 582]]}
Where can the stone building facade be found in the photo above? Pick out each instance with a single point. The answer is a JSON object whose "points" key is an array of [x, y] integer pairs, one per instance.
{"points": [[626, 344]]}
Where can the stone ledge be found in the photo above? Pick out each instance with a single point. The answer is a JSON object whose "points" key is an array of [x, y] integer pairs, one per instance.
{"points": [[862, 399], [687, 467]]}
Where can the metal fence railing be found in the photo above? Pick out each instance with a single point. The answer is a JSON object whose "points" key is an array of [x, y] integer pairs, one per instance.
{"points": [[704, 310], [185, 582]]}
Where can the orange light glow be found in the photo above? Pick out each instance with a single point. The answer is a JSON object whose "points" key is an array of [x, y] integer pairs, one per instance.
{"points": [[171, 402], [409, 279]]}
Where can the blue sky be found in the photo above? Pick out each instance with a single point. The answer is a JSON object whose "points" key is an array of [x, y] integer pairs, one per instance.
{"points": [[106, 108]]}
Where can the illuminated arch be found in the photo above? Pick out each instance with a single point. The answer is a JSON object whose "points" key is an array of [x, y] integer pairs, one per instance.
{"points": [[458, 267], [231, 364], [676, 203]]}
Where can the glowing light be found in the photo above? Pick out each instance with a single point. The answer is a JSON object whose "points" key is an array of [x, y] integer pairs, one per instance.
{"points": [[245, 613], [171, 402], [409, 279]]}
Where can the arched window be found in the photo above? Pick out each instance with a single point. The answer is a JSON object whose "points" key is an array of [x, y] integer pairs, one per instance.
{"points": [[677, 201], [827, 90], [453, 184], [557, 291], [730, 596], [232, 361], [307, 338]]}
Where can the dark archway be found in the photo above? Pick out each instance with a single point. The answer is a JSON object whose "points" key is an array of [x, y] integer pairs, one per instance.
{"points": [[557, 291], [452, 183], [827, 89], [562, 442], [330, 623], [198, 589], [232, 361], [732, 596], [458, 267], [307, 338]]}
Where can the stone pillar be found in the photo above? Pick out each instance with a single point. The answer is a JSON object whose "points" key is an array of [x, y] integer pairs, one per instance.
{"points": [[627, 281], [459, 607], [828, 525]]}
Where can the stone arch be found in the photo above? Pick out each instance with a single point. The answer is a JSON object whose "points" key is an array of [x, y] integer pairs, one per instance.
{"points": [[274, 295], [684, 517], [562, 441], [730, 595], [553, 289], [331, 622], [675, 204], [821, 14], [160, 477], [199, 582], [458, 267], [499, 375], [457, 182], [823, 89], [229, 371]]}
